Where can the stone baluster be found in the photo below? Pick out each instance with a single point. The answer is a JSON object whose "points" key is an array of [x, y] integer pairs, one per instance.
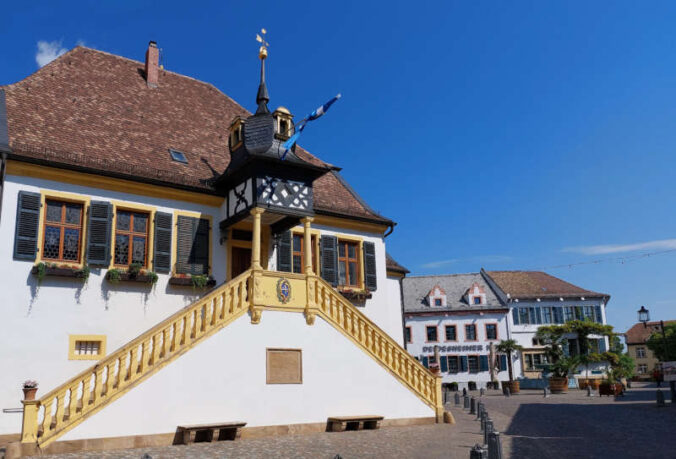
{"points": [[47, 416]]}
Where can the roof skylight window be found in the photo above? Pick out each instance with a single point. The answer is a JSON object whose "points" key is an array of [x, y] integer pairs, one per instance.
{"points": [[178, 156]]}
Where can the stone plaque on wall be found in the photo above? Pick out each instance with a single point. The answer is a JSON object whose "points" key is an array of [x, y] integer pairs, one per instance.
{"points": [[284, 366]]}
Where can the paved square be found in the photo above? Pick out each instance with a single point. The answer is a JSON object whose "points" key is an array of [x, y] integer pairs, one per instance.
{"points": [[561, 426]]}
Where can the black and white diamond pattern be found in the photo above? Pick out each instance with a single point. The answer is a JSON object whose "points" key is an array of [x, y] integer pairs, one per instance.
{"points": [[286, 193]]}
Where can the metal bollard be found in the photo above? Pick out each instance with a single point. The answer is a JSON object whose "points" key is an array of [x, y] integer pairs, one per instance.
{"points": [[479, 409], [464, 391], [494, 446], [478, 452], [482, 392], [472, 405], [488, 429], [507, 392], [660, 398], [545, 392], [484, 416], [589, 391], [457, 399], [465, 402]]}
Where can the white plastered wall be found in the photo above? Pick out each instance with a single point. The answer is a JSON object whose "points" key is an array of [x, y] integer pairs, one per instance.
{"points": [[224, 379]]}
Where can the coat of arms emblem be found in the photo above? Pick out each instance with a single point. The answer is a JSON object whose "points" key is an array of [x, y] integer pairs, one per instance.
{"points": [[283, 290]]}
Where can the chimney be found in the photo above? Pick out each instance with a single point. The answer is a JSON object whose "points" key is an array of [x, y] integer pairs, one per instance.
{"points": [[152, 64]]}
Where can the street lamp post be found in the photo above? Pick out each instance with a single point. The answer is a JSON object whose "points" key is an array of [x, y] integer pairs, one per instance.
{"points": [[644, 316]]}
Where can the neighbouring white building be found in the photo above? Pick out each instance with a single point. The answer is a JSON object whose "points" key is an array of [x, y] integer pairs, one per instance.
{"points": [[458, 318], [162, 264], [536, 298]]}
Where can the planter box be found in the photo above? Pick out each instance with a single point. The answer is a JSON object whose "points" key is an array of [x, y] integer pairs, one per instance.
{"points": [[126, 277], [558, 385], [610, 389], [514, 387], [187, 282], [357, 297], [59, 272], [593, 382]]}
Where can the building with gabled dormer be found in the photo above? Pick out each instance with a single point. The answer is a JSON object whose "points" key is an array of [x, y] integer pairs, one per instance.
{"points": [[454, 322], [166, 261]]}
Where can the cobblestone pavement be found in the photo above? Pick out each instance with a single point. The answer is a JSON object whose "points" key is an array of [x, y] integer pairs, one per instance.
{"points": [[560, 426]]}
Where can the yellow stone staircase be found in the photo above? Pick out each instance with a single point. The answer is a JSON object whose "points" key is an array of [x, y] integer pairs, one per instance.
{"points": [[254, 291]]}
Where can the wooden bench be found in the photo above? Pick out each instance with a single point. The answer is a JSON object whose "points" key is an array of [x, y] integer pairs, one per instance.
{"points": [[343, 423], [210, 432]]}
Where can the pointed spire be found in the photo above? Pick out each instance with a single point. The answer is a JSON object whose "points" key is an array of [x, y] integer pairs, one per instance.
{"points": [[262, 97]]}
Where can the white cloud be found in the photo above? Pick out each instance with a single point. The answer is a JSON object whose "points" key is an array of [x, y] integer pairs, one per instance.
{"points": [[664, 244], [440, 263], [48, 51]]}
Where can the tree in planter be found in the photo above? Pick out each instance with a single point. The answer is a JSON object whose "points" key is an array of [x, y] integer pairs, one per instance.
{"points": [[508, 346]]}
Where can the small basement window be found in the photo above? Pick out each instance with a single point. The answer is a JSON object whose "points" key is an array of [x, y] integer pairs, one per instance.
{"points": [[178, 156], [86, 347]]}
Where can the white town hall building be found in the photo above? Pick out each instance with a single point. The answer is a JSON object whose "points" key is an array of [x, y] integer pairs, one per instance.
{"points": [[162, 265]]}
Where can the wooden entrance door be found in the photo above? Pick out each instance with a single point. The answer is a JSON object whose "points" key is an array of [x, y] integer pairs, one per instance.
{"points": [[240, 259]]}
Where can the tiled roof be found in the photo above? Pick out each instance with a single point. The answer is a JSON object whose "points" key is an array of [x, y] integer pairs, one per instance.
{"points": [[392, 265], [537, 284], [416, 289], [639, 334], [94, 111]]}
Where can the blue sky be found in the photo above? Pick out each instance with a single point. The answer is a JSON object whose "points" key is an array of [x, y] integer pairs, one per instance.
{"points": [[503, 135]]}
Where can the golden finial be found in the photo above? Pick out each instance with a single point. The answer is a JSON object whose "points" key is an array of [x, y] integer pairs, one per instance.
{"points": [[263, 51]]}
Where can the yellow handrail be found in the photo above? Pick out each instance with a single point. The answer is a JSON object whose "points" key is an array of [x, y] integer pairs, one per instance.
{"points": [[349, 320], [69, 404]]}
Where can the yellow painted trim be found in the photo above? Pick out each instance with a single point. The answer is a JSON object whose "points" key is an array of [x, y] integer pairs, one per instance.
{"points": [[347, 223], [230, 243], [124, 205], [395, 274], [174, 236], [67, 197], [109, 183], [317, 235], [71, 347]]}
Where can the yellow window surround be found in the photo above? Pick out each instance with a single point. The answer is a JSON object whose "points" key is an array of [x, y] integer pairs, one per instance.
{"points": [[64, 197], [174, 236], [79, 347], [133, 207]]}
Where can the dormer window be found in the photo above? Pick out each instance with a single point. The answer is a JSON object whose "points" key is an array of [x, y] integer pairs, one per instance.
{"points": [[476, 295], [437, 297], [236, 136], [283, 123]]}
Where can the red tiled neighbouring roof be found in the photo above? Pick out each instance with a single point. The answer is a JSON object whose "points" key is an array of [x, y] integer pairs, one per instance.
{"points": [[537, 284], [393, 265], [639, 334], [93, 110]]}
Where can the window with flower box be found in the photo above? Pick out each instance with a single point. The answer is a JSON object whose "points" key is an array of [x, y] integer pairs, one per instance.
{"points": [[62, 231], [348, 263], [131, 238]]}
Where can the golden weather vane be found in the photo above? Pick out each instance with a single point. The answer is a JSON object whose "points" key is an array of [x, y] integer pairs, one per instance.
{"points": [[260, 38]]}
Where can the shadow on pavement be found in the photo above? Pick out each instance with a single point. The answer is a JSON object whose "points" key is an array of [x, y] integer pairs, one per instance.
{"points": [[622, 430]]}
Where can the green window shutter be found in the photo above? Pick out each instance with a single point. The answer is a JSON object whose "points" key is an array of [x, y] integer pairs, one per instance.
{"points": [[329, 255], [284, 252], [463, 363], [98, 233], [503, 362], [370, 277], [426, 361], [483, 363], [192, 245], [27, 225], [162, 249], [444, 363]]}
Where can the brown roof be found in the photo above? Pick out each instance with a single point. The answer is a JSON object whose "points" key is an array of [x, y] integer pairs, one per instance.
{"points": [[537, 284], [92, 110], [392, 265], [639, 334]]}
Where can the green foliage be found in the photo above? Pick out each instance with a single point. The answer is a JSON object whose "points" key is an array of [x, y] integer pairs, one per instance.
{"points": [[199, 280], [84, 273], [134, 269], [507, 346], [42, 270], [153, 277], [656, 343], [114, 275], [616, 345], [564, 366]]}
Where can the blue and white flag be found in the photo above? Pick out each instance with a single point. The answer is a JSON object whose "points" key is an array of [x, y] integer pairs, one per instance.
{"points": [[301, 124]]}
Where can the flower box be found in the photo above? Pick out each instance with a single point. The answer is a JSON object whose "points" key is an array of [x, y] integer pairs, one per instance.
{"points": [[180, 281], [57, 271], [142, 278], [356, 296]]}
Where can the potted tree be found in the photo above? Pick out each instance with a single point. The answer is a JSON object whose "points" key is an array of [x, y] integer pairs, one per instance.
{"points": [[508, 346], [561, 369], [622, 367]]}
